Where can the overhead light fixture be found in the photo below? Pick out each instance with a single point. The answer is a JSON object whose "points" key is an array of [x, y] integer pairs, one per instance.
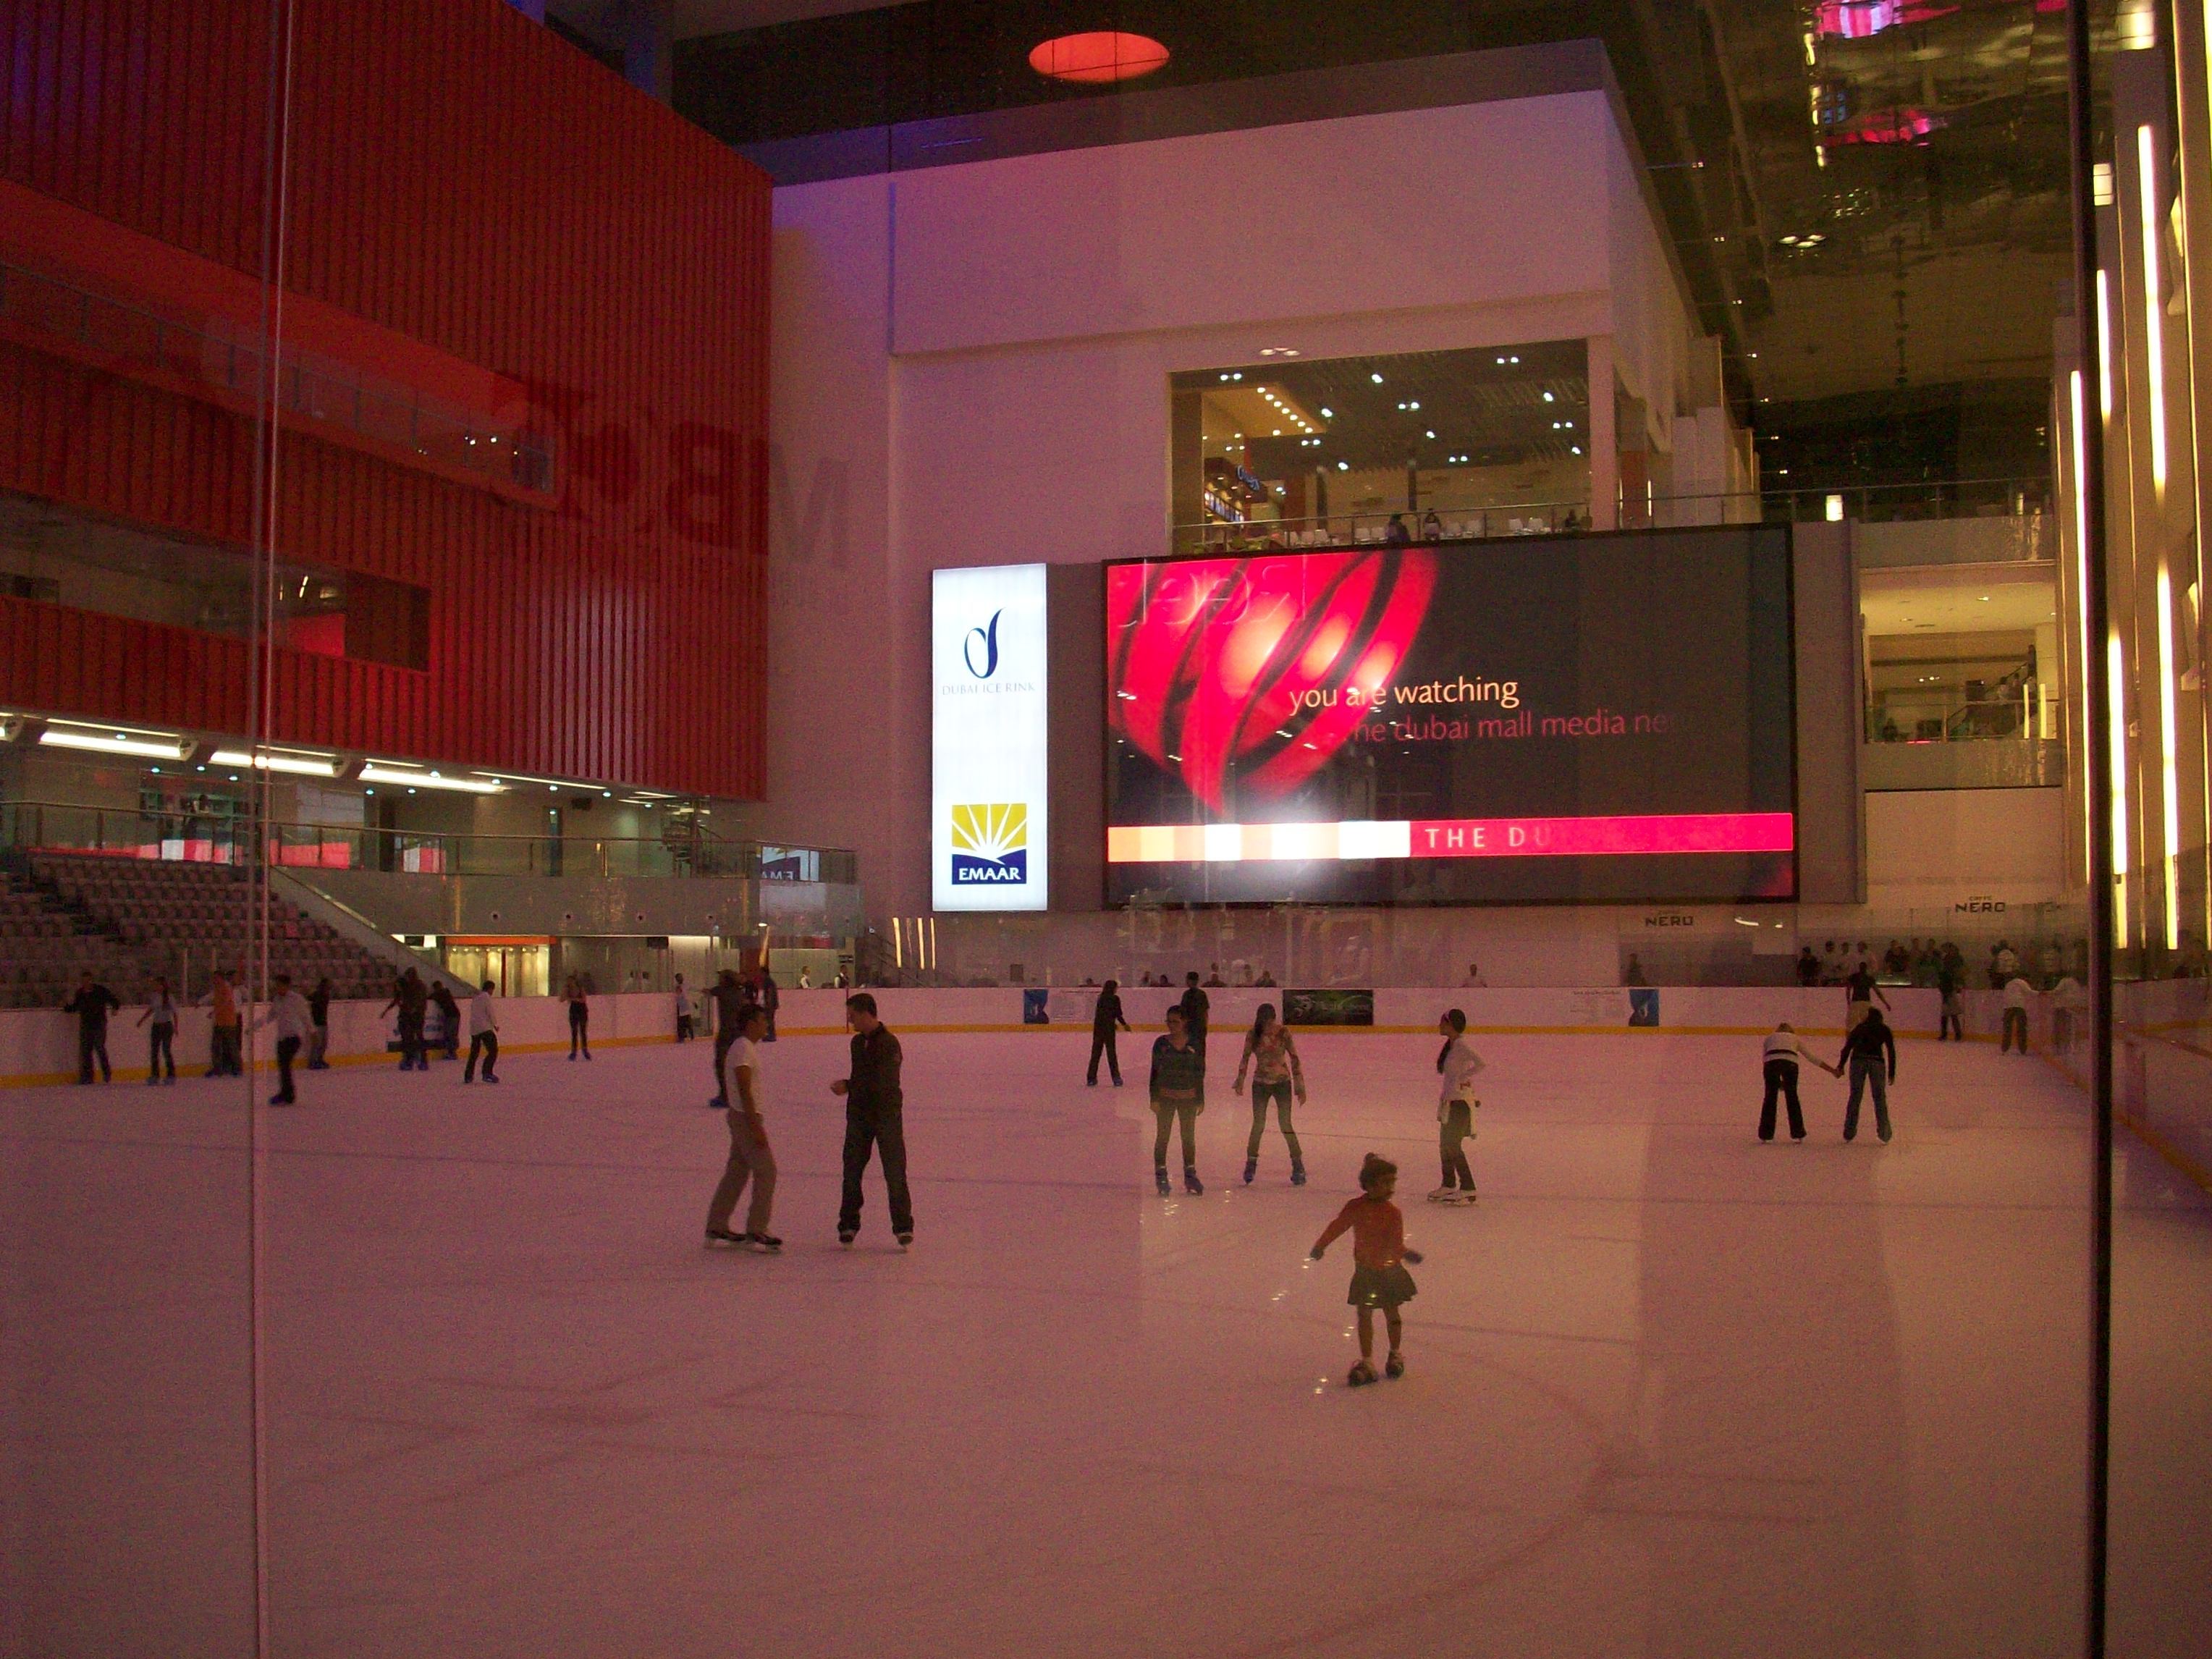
{"points": [[1327, 413], [1097, 56], [375, 773], [1378, 379], [106, 740], [305, 766]]}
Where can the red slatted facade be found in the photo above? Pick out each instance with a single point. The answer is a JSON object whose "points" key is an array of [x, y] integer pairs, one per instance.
{"points": [[458, 175]]}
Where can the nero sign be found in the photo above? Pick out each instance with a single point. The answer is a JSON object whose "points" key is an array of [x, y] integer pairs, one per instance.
{"points": [[988, 739]]}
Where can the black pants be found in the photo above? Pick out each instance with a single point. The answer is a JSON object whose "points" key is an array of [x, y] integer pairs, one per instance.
{"points": [[1171, 1113], [223, 1059], [1451, 1142], [487, 1044], [2016, 1028], [161, 1045], [579, 1029], [452, 1039], [1948, 1024], [410, 1043], [683, 1028], [1101, 1042], [1280, 1094], [867, 1129], [288, 1051], [91, 1045], [1781, 1079]]}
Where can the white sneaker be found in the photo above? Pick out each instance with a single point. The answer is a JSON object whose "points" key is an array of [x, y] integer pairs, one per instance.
{"points": [[1443, 1194], [1464, 1195]]}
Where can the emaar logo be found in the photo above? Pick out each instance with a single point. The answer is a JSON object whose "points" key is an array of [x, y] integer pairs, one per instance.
{"points": [[989, 634], [990, 845]]}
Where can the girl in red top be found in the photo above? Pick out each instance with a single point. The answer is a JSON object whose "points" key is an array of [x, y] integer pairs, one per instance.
{"points": [[1379, 1278]]}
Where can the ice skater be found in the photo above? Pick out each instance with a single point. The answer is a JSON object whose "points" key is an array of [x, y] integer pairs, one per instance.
{"points": [[730, 999], [1178, 1090], [288, 1012], [1457, 1065], [412, 1001], [682, 1012], [580, 1016], [1379, 1278], [1106, 1017], [92, 1005], [1273, 1060], [874, 1118], [1778, 1060], [2017, 993], [1950, 981], [750, 1156], [1197, 1010], [161, 1041], [484, 1036], [1869, 1050]]}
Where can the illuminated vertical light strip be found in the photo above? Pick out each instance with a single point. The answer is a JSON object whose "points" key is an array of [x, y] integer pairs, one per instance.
{"points": [[2081, 594], [2104, 344], [2116, 681], [2153, 329], [2169, 727]]}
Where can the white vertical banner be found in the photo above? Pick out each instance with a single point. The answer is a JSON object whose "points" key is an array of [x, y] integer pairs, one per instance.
{"points": [[989, 758]]}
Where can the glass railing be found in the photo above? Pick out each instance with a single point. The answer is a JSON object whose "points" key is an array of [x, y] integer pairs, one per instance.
{"points": [[55, 827]]}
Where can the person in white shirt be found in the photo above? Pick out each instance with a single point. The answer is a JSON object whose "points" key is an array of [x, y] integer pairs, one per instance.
{"points": [[294, 1020], [1783, 1049], [1475, 981], [161, 1010], [682, 1012], [484, 1036], [750, 1156], [2017, 991], [1456, 1066]]}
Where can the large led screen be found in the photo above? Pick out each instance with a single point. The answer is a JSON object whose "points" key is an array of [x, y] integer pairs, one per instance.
{"points": [[1539, 721]]}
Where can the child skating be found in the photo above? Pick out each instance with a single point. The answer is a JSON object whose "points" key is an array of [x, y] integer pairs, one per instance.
{"points": [[1379, 1278], [1457, 1065]]}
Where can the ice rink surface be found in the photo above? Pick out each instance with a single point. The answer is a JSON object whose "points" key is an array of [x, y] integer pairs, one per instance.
{"points": [[1672, 1392]]}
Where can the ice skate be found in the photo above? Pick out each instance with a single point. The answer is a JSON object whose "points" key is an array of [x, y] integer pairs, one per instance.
{"points": [[1443, 1194], [766, 1243], [845, 1237], [1191, 1183], [1297, 1172], [1360, 1375], [723, 1236], [906, 1240], [1394, 1366], [1464, 1195], [1160, 1174], [1251, 1168]]}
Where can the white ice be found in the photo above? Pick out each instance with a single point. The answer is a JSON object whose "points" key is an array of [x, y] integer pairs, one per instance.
{"points": [[1672, 1392]]}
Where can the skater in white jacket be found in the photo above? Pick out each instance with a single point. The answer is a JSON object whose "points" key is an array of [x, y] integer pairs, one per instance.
{"points": [[1457, 1065]]}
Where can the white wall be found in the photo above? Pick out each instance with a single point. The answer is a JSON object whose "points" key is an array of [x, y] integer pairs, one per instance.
{"points": [[1931, 846]]}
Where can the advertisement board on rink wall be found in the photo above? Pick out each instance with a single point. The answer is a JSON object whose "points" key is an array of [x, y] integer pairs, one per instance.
{"points": [[988, 798]]}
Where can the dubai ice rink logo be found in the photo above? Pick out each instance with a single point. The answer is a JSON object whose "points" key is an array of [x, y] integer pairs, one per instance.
{"points": [[990, 845]]}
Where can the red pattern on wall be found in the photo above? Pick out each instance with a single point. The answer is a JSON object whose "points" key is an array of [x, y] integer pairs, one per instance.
{"points": [[462, 176]]}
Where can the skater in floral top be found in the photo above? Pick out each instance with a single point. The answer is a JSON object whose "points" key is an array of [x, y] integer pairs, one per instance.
{"points": [[1379, 1278], [1273, 1060]]}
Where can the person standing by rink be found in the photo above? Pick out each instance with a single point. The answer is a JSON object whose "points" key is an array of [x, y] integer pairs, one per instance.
{"points": [[1779, 1060], [1178, 1090], [1197, 1012], [224, 1058], [161, 1041], [750, 1156], [1106, 1017], [1273, 1060], [1869, 1050], [290, 1014], [1458, 1066], [92, 1005], [318, 1043], [449, 1020], [1950, 980], [1860, 991], [682, 1012], [1379, 1278], [484, 1036], [580, 1016], [771, 999], [2017, 991], [874, 1117]]}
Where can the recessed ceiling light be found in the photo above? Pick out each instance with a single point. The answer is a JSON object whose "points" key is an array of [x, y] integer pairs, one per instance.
{"points": [[1097, 56], [1327, 413], [1378, 379]]}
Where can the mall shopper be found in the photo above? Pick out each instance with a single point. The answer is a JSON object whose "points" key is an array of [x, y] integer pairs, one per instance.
{"points": [[484, 1036], [580, 1016], [1197, 1010], [1950, 982], [1432, 526], [225, 1052], [319, 1040], [682, 1012], [449, 1020], [750, 1157], [1783, 1050], [730, 999], [1394, 534], [1457, 1066], [1379, 1278], [1178, 1094], [161, 1041], [92, 1005], [1273, 1060], [1859, 994], [288, 1012], [1870, 1052], [2017, 991], [874, 1117], [1106, 1018], [412, 1000]]}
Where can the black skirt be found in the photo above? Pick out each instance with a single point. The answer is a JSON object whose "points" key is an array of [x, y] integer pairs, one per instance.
{"points": [[1380, 1287]]}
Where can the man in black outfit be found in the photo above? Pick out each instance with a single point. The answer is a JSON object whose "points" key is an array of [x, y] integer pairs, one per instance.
{"points": [[873, 1119], [1196, 1006], [730, 999], [1870, 1051], [1105, 1018], [92, 1005]]}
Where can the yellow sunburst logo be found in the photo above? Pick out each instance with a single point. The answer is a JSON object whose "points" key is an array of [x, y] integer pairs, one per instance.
{"points": [[992, 830]]}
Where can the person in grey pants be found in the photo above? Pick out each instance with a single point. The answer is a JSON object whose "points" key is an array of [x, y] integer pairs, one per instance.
{"points": [[750, 1156]]}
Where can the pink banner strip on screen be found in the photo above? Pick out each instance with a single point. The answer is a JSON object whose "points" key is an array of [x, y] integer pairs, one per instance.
{"points": [[1680, 832]]}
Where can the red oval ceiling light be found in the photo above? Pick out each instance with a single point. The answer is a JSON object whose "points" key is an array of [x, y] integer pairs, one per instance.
{"points": [[1099, 56]]}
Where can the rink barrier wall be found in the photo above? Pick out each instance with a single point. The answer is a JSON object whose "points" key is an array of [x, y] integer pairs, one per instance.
{"points": [[38, 1047]]}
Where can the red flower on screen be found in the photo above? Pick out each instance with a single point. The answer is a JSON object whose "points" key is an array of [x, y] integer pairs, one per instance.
{"points": [[1248, 673]]}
